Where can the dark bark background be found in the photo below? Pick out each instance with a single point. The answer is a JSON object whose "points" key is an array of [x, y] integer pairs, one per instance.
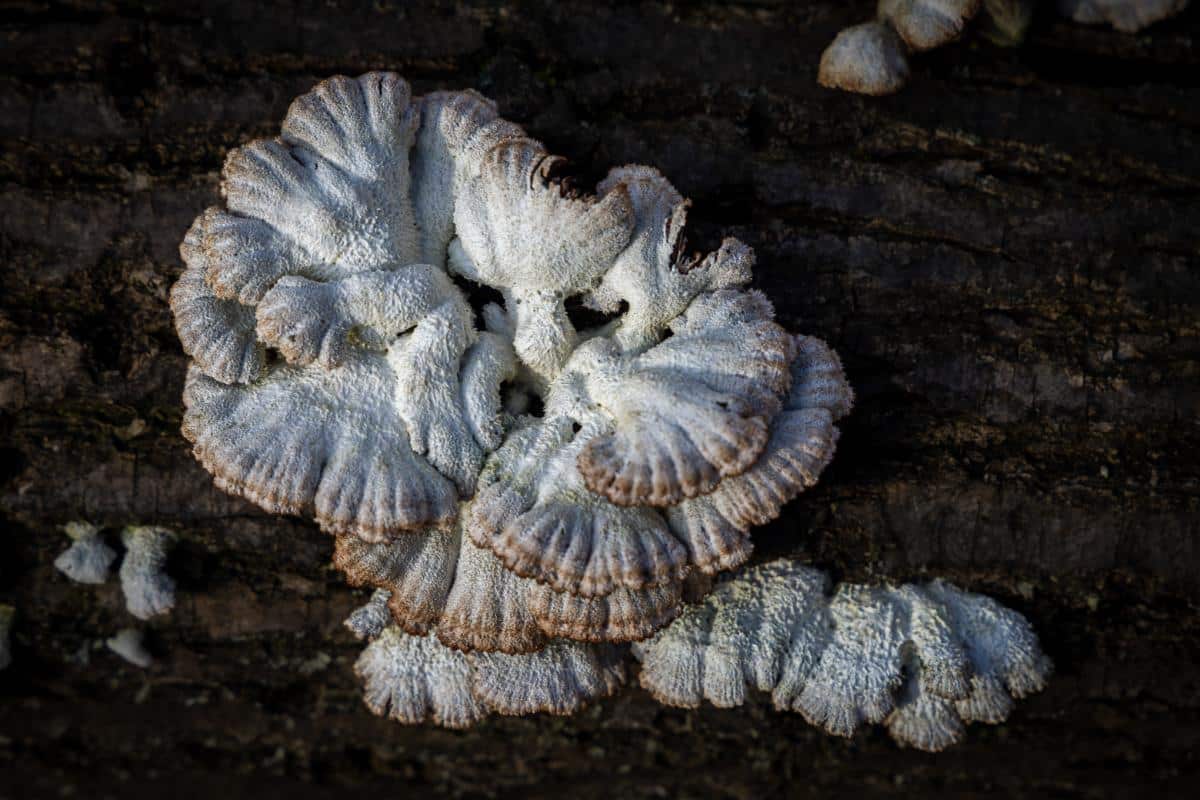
{"points": [[1005, 254]]}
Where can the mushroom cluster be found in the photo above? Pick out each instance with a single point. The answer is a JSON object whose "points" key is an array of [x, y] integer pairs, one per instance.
{"points": [[921, 660], [524, 490], [872, 58]]}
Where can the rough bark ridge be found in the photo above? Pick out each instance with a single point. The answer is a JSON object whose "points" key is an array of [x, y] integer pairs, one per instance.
{"points": [[1005, 255]]}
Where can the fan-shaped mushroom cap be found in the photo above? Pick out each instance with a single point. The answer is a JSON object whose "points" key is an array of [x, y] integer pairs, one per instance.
{"points": [[457, 131], [867, 59], [417, 571], [926, 24], [415, 679], [7, 613], [523, 231], [487, 608], [242, 257], [88, 559], [217, 334], [277, 444], [950, 656], [412, 679], [739, 635], [1124, 15], [149, 590], [359, 443], [623, 615], [536, 515], [559, 679], [654, 274], [818, 379], [340, 191], [368, 620], [127, 643], [691, 410], [715, 527]]}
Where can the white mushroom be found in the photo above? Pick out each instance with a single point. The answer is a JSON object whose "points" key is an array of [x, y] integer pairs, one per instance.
{"points": [[417, 570], [217, 333], [457, 130], [623, 615], [871, 58], [88, 559], [536, 514], [526, 233], [559, 679], [416, 679], [365, 330], [654, 274], [715, 528], [690, 411], [487, 608], [127, 643], [922, 660], [149, 590], [500, 547], [509, 551], [336, 182], [413, 679], [7, 613], [866, 59], [368, 620], [1129, 16]]}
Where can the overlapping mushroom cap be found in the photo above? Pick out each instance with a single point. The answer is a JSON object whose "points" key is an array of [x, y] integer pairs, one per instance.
{"points": [[523, 494], [340, 372], [922, 660]]}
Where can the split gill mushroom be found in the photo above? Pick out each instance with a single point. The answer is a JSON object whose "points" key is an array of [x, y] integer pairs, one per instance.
{"points": [[339, 372]]}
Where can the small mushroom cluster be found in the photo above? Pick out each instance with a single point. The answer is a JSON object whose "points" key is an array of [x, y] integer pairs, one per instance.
{"points": [[872, 58], [149, 591], [921, 660], [523, 491]]}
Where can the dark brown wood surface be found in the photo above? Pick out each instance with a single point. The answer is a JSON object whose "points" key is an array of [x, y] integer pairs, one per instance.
{"points": [[1005, 254]]}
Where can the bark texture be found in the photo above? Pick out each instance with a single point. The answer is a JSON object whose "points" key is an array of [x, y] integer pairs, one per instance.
{"points": [[1005, 254]]}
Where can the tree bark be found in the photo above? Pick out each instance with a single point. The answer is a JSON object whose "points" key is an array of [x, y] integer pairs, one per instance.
{"points": [[1005, 255]]}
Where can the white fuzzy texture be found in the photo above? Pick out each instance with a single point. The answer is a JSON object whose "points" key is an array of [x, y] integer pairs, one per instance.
{"points": [[922, 660], [7, 614], [416, 679], [339, 372], [652, 274], [88, 559], [127, 643], [1129, 16], [149, 591]]}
